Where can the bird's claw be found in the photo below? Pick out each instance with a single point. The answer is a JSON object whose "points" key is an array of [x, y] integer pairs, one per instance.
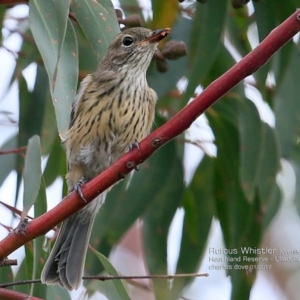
{"points": [[78, 186], [134, 145]]}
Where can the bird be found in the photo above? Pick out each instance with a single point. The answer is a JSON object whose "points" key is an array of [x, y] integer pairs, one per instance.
{"points": [[114, 109]]}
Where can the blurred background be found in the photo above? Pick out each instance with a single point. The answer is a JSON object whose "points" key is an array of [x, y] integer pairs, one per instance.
{"points": [[231, 181]]}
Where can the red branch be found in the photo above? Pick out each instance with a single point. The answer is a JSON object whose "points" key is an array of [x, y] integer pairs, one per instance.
{"points": [[16, 150], [6, 294], [179, 123], [13, 2]]}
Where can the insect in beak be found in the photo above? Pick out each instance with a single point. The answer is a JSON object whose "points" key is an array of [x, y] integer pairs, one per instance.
{"points": [[156, 36]]}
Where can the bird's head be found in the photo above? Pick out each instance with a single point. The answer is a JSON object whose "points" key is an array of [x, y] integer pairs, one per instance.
{"points": [[133, 48]]}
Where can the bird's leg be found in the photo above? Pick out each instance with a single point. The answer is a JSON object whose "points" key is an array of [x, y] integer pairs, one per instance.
{"points": [[132, 146], [77, 187]]}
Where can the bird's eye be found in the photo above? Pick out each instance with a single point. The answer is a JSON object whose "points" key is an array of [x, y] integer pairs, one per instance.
{"points": [[127, 41]]}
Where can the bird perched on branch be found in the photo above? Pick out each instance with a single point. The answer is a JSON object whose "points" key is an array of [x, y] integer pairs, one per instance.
{"points": [[113, 109]]}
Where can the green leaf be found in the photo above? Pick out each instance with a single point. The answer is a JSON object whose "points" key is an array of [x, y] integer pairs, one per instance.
{"points": [[268, 15], [294, 160], [47, 20], [8, 161], [6, 276], [281, 63], [32, 107], [118, 284], [66, 80], [61, 9], [241, 221], [164, 13], [206, 34], [57, 292], [227, 186], [250, 132], [273, 205], [55, 38], [287, 106], [25, 271], [198, 204], [265, 17], [3, 9], [29, 54], [106, 288], [108, 5], [242, 281], [32, 174], [39, 255], [87, 60], [157, 221], [97, 23], [49, 126], [269, 163], [56, 164], [237, 26], [223, 62]]}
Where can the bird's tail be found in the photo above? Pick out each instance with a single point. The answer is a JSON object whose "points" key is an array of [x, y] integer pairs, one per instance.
{"points": [[66, 261]]}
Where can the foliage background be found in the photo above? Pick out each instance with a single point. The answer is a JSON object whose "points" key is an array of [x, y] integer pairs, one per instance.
{"points": [[247, 181]]}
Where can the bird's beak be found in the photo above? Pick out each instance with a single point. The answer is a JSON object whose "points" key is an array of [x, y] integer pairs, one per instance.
{"points": [[157, 35]]}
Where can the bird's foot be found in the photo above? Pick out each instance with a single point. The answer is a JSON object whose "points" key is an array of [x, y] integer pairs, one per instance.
{"points": [[78, 186], [134, 145]]}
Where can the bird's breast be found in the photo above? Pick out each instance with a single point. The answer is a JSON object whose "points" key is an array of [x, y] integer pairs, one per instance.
{"points": [[108, 123]]}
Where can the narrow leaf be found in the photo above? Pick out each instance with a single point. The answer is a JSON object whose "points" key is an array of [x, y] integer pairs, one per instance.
{"points": [[205, 40], [32, 173], [287, 106], [269, 163], [250, 132], [112, 271], [7, 161], [97, 24], [157, 221], [56, 41], [164, 13], [198, 204], [48, 25], [66, 80]]}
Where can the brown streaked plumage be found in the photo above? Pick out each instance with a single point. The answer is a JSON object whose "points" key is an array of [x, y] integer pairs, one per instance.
{"points": [[113, 109]]}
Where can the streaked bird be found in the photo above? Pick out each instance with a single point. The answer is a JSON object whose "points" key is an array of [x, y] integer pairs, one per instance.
{"points": [[113, 109]]}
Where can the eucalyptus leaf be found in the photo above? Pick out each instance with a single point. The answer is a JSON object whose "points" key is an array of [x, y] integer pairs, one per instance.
{"points": [[32, 173], [97, 23], [118, 284]]}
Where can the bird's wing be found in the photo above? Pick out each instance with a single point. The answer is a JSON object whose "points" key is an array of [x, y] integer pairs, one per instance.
{"points": [[78, 98]]}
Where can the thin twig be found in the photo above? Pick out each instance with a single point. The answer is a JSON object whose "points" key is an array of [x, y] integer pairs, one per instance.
{"points": [[8, 262], [21, 282], [14, 210], [163, 276], [16, 150], [112, 277]]}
